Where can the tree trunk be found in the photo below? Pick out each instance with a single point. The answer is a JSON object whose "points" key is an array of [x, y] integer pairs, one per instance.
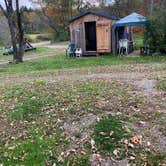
{"points": [[15, 26], [13, 36], [20, 51]]}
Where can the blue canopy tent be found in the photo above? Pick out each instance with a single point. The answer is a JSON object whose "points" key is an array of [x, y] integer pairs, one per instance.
{"points": [[133, 19]]}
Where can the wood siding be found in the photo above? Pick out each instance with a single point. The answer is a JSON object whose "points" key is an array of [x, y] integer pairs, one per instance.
{"points": [[103, 37], [103, 32]]}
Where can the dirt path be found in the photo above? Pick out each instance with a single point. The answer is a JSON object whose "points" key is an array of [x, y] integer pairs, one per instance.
{"points": [[59, 49], [136, 77], [36, 56]]}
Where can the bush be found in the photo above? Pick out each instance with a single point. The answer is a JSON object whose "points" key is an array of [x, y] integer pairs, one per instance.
{"points": [[155, 36]]}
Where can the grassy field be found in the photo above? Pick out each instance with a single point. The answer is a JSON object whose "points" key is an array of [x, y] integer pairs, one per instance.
{"points": [[62, 62], [57, 123], [100, 111], [34, 38], [38, 51], [138, 39]]}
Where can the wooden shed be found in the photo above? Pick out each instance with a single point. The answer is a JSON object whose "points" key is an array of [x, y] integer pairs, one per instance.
{"points": [[91, 31]]}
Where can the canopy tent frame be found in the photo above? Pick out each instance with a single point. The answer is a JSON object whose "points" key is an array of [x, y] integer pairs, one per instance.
{"points": [[134, 19]]}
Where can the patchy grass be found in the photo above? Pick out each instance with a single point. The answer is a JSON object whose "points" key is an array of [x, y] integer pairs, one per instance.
{"points": [[56, 120], [108, 135], [39, 51], [39, 37], [61, 62], [156, 159], [26, 109], [161, 85], [138, 39], [34, 150]]}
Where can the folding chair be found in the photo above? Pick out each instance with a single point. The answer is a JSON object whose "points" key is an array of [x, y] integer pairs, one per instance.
{"points": [[70, 51]]}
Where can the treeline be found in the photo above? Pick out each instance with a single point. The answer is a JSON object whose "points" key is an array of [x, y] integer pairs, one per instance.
{"points": [[53, 14]]}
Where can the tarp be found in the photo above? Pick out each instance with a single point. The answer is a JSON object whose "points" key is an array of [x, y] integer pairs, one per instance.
{"points": [[134, 19]]}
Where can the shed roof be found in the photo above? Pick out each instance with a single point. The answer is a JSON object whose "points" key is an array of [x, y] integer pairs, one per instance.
{"points": [[133, 19], [95, 13]]}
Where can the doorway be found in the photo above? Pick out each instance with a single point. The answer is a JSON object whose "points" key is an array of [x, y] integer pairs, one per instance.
{"points": [[90, 36]]}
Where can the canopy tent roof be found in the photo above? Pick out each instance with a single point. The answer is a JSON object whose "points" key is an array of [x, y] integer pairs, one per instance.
{"points": [[134, 19]]}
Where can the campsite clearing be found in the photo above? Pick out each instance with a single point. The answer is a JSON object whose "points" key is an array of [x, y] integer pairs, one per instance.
{"points": [[67, 111]]}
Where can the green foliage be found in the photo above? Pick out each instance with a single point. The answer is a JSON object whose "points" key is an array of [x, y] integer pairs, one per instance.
{"points": [[155, 35], [108, 134]]}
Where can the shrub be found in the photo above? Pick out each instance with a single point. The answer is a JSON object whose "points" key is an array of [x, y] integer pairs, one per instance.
{"points": [[155, 35]]}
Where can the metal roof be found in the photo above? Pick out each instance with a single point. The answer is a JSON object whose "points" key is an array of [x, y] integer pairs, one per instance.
{"points": [[134, 19], [95, 13]]}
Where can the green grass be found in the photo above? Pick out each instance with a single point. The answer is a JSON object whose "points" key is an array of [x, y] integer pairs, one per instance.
{"points": [[138, 39], [161, 85], [108, 134], [33, 151], [61, 62], [37, 112], [38, 37], [26, 109], [156, 159], [38, 51]]}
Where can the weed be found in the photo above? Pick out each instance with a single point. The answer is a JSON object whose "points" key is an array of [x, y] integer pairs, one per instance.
{"points": [[33, 151], [108, 134], [26, 109], [156, 159], [162, 85], [81, 160]]}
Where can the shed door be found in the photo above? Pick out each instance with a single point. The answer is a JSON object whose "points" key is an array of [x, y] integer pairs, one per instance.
{"points": [[90, 36], [103, 37]]}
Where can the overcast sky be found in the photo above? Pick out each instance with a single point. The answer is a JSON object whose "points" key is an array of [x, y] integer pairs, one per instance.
{"points": [[29, 4], [26, 3]]}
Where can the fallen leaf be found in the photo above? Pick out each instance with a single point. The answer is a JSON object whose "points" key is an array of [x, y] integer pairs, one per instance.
{"points": [[111, 133], [115, 152], [103, 134]]}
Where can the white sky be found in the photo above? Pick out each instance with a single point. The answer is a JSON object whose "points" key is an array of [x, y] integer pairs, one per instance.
{"points": [[26, 3], [29, 4]]}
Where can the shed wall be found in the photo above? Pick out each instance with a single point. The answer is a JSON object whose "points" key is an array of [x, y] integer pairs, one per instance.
{"points": [[103, 32]]}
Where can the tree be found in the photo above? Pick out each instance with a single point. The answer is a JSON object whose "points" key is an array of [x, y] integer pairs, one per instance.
{"points": [[13, 15], [4, 31], [122, 8], [155, 36], [57, 12]]}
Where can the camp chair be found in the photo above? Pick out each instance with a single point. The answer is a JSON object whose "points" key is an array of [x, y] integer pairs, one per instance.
{"points": [[78, 52], [70, 51], [123, 44]]}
